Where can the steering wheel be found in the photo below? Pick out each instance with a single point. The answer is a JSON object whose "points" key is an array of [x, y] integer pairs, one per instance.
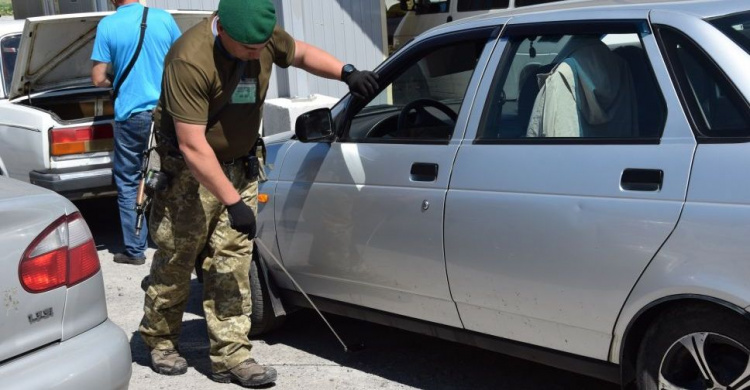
{"points": [[423, 117]]}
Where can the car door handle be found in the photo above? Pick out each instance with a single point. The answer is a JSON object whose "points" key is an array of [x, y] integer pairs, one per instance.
{"points": [[424, 172], [642, 179]]}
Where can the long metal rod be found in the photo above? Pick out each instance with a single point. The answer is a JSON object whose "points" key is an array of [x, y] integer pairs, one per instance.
{"points": [[265, 248]]}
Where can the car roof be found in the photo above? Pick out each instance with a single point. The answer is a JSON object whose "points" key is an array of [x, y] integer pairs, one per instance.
{"points": [[600, 9], [698, 8]]}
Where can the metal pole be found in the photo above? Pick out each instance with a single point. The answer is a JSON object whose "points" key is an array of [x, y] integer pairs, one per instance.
{"points": [[265, 248]]}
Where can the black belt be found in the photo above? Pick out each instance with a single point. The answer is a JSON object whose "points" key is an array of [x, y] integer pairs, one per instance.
{"points": [[233, 161], [238, 160]]}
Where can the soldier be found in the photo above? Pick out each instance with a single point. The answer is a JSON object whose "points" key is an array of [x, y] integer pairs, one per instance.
{"points": [[215, 81]]}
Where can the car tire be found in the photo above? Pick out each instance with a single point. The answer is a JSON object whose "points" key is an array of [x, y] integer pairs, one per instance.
{"points": [[721, 337], [262, 317]]}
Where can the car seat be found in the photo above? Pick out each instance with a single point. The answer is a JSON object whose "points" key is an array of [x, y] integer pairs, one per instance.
{"points": [[588, 93]]}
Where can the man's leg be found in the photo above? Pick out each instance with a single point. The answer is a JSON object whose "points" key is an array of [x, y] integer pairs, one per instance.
{"points": [[179, 227], [131, 140], [226, 296]]}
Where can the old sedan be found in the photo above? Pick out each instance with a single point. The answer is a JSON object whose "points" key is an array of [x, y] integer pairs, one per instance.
{"points": [[567, 183], [54, 331]]}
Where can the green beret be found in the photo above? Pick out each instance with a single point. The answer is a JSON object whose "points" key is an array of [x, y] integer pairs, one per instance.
{"points": [[248, 21]]}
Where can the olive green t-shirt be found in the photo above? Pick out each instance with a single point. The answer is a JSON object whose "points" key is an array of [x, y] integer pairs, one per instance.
{"points": [[199, 77]]}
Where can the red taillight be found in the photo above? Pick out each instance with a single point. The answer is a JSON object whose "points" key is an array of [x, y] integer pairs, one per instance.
{"points": [[76, 140], [44, 272], [63, 255]]}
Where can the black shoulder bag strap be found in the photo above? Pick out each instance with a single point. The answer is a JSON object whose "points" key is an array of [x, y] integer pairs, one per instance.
{"points": [[127, 70]]}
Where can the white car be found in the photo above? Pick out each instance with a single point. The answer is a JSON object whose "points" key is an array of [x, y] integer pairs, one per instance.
{"points": [[55, 126], [54, 330], [568, 183]]}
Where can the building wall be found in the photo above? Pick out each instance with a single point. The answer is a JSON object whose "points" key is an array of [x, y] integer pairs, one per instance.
{"points": [[352, 30], [23, 9]]}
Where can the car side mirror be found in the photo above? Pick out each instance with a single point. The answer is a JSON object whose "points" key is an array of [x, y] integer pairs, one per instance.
{"points": [[315, 126]]}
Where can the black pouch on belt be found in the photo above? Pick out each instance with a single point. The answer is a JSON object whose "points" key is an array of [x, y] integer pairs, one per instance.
{"points": [[252, 168], [156, 181]]}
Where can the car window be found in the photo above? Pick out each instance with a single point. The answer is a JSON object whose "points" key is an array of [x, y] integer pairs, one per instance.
{"points": [[736, 27], [422, 102], [715, 106], [592, 85], [8, 52], [431, 6], [481, 5]]}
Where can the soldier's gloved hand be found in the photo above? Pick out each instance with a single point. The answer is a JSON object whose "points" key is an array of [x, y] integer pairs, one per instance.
{"points": [[362, 83], [242, 218]]}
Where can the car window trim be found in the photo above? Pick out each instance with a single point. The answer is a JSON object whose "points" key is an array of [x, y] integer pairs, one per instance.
{"points": [[698, 127], [3, 89], [394, 68], [568, 141]]}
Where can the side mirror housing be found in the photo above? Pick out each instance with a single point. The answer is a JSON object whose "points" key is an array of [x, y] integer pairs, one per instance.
{"points": [[315, 126]]}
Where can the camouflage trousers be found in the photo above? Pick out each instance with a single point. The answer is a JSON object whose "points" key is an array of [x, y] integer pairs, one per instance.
{"points": [[187, 222]]}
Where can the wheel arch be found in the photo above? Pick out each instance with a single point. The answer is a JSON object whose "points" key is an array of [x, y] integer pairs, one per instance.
{"points": [[639, 324]]}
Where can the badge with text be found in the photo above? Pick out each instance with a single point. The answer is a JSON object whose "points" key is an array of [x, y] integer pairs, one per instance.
{"points": [[245, 91]]}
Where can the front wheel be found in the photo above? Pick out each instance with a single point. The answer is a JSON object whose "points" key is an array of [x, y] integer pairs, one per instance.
{"points": [[262, 318], [695, 347]]}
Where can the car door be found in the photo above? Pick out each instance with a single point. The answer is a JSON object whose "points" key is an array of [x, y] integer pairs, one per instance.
{"points": [[573, 173], [361, 218]]}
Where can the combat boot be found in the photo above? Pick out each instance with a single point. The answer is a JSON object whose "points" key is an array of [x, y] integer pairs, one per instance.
{"points": [[247, 374], [168, 362]]}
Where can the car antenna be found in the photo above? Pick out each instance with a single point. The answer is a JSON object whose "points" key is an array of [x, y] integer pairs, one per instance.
{"points": [[356, 347]]}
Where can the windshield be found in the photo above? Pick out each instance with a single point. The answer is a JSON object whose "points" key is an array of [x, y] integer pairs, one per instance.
{"points": [[736, 27], [8, 52]]}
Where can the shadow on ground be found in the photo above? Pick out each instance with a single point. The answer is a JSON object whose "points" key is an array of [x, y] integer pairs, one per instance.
{"points": [[103, 217], [404, 357], [421, 361]]}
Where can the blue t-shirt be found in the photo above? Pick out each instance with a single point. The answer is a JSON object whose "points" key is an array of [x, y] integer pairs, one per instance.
{"points": [[116, 40]]}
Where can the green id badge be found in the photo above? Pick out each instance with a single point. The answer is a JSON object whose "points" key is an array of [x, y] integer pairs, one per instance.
{"points": [[245, 92]]}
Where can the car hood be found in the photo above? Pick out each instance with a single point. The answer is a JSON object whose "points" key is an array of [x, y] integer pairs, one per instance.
{"points": [[55, 51]]}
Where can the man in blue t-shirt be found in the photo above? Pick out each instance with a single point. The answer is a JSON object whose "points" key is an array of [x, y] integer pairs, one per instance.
{"points": [[116, 41]]}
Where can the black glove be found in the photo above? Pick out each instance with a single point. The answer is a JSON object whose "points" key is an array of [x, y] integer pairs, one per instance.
{"points": [[362, 83], [242, 218]]}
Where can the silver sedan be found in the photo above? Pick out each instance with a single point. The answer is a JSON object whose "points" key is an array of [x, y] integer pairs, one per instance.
{"points": [[568, 183]]}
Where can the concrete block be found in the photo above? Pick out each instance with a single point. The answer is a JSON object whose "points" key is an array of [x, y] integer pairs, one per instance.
{"points": [[281, 114]]}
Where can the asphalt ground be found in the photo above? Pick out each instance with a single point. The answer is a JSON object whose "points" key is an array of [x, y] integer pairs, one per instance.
{"points": [[303, 351]]}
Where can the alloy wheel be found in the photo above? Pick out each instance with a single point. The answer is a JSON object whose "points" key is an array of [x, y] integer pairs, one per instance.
{"points": [[705, 361]]}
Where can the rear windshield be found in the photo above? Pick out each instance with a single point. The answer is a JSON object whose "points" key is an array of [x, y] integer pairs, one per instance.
{"points": [[736, 27], [8, 52]]}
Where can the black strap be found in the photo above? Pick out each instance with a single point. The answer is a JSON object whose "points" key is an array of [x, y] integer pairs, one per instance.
{"points": [[234, 81], [127, 70], [171, 142]]}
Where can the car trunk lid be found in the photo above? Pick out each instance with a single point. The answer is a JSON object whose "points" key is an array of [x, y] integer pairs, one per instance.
{"points": [[55, 51]]}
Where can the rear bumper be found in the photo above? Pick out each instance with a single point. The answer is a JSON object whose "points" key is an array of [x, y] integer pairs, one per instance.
{"points": [[76, 183], [96, 359]]}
